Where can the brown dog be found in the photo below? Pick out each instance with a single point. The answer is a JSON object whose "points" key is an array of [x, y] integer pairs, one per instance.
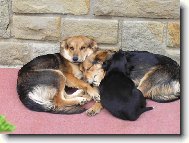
{"points": [[41, 82]]}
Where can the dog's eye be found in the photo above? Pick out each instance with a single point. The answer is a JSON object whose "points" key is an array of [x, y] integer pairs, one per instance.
{"points": [[86, 69], [82, 48], [72, 48]]}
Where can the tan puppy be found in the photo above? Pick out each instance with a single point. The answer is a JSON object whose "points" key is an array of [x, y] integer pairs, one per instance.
{"points": [[93, 73]]}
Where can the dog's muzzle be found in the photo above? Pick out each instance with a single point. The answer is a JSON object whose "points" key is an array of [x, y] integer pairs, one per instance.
{"points": [[75, 58]]}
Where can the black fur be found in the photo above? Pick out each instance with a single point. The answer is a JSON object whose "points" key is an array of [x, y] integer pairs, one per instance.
{"points": [[118, 92], [140, 62], [39, 71]]}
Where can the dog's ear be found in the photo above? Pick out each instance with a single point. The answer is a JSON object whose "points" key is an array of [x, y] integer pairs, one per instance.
{"points": [[121, 51], [101, 56], [93, 44], [106, 65], [64, 44]]}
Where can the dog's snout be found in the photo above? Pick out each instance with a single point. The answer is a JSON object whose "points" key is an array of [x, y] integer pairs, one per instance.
{"points": [[75, 58]]}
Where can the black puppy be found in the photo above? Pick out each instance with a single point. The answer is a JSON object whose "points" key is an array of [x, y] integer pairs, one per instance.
{"points": [[118, 92]]}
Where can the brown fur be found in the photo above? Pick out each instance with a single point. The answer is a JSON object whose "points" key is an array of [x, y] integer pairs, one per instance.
{"points": [[63, 71], [92, 70], [144, 84], [95, 109], [92, 66], [75, 46]]}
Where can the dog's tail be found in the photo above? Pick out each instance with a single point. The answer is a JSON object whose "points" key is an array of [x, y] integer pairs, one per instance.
{"points": [[40, 99], [165, 93], [165, 98], [145, 109], [69, 110], [166, 88], [33, 106]]}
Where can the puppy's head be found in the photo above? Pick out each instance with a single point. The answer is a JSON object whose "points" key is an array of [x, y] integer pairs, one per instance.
{"points": [[92, 69], [75, 49], [117, 62]]}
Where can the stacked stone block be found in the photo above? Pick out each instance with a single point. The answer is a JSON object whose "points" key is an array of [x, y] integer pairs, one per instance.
{"points": [[29, 28]]}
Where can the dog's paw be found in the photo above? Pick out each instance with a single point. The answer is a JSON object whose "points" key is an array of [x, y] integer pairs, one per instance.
{"points": [[82, 100], [91, 112], [96, 97], [95, 109], [89, 98], [94, 94]]}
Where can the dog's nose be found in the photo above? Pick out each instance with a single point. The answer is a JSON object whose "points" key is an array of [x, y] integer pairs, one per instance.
{"points": [[75, 58]]}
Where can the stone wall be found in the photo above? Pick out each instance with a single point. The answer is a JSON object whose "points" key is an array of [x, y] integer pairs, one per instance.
{"points": [[29, 28]]}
